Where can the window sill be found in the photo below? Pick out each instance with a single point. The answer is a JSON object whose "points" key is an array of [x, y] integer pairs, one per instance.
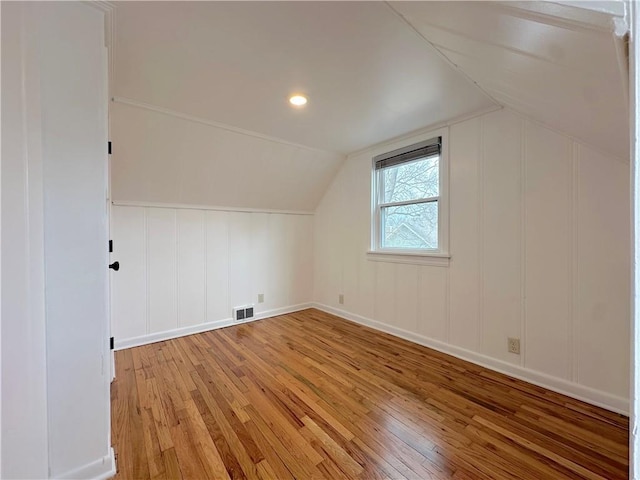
{"points": [[414, 258]]}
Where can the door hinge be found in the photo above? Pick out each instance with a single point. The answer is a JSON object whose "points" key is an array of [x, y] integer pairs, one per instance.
{"points": [[110, 246], [109, 147], [111, 343]]}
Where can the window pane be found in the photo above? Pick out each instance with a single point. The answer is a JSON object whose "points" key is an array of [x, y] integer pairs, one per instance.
{"points": [[411, 181], [410, 226]]}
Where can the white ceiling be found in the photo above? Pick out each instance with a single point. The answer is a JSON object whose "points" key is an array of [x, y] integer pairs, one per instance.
{"points": [[555, 63], [368, 75], [375, 70]]}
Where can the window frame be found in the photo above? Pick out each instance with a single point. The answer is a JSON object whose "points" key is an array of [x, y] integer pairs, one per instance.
{"points": [[436, 256]]}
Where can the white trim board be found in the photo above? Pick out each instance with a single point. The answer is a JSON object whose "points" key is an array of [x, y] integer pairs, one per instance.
{"points": [[203, 327], [101, 469], [187, 206], [425, 130], [564, 387], [204, 121]]}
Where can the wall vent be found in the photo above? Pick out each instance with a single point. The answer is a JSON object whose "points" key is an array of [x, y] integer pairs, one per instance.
{"points": [[240, 314]]}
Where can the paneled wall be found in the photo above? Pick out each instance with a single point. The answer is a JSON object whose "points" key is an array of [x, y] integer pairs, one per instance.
{"points": [[55, 414], [24, 445], [165, 156], [183, 270], [539, 243]]}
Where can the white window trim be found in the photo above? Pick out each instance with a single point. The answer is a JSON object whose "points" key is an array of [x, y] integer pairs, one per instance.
{"points": [[436, 257], [410, 257]]}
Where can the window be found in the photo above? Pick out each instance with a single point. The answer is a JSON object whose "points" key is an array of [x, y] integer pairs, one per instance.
{"points": [[409, 205]]}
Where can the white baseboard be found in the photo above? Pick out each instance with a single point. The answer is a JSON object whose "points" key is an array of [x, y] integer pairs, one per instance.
{"points": [[571, 389], [101, 469], [203, 327]]}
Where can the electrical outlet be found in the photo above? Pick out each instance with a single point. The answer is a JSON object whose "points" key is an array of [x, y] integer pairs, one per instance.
{"points": [[513, 345], [341, 299], [261, 298]]}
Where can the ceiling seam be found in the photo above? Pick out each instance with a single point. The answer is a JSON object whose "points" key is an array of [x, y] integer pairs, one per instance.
{"points": [[222, 126], [519, 113], [471, 39], [441, 54], [429, 128], [557, 21], [573, 138]]}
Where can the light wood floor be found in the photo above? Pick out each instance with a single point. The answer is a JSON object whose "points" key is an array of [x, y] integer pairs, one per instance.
{"points": [[309, 395]]}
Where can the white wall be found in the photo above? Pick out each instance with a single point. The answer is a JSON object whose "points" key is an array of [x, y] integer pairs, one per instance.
{"points": [[24, 394], [183, 270], [539, 243], [74, 134], [634, 114], [55, 380], [161, 156]]}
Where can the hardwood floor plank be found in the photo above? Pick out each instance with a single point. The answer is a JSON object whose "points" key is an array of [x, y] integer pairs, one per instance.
{"points": [[171, 465], [271, 456], [328, 469], [286, 432], [541, 450], [139, 466], [226, 416], [511, 450], [334, 451], [223, 448], [309, 395], [152, 444], [159, 417], [238, 439], [265, 472], [295, 461], [393, 467], [194, 427]]}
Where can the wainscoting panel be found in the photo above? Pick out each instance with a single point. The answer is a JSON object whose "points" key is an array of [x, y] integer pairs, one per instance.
{"points": [[182, 270], [217, 264], [162, 260]]}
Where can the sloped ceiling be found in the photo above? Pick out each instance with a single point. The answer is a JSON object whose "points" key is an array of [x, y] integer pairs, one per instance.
{"points": [[372, 70], [560, 64], [201, 88], [369, 77], [160, 158]]}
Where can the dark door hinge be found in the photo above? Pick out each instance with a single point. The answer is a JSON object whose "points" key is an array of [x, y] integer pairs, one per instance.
{"points": [[111, 343], [110, 246], [109, 147]]}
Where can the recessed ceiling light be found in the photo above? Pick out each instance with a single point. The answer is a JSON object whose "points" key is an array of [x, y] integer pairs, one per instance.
{"points": [[298, 100]]}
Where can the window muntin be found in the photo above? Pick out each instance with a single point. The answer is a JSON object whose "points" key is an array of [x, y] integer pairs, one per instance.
{"points": [[407, 203]]}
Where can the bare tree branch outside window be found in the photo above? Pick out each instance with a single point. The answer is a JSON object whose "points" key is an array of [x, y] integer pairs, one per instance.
{"points": [[414, 225]]}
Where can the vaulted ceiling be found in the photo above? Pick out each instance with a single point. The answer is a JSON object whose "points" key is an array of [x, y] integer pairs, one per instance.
{"points": [[560, 64], [367, 74], [372, 71]]}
